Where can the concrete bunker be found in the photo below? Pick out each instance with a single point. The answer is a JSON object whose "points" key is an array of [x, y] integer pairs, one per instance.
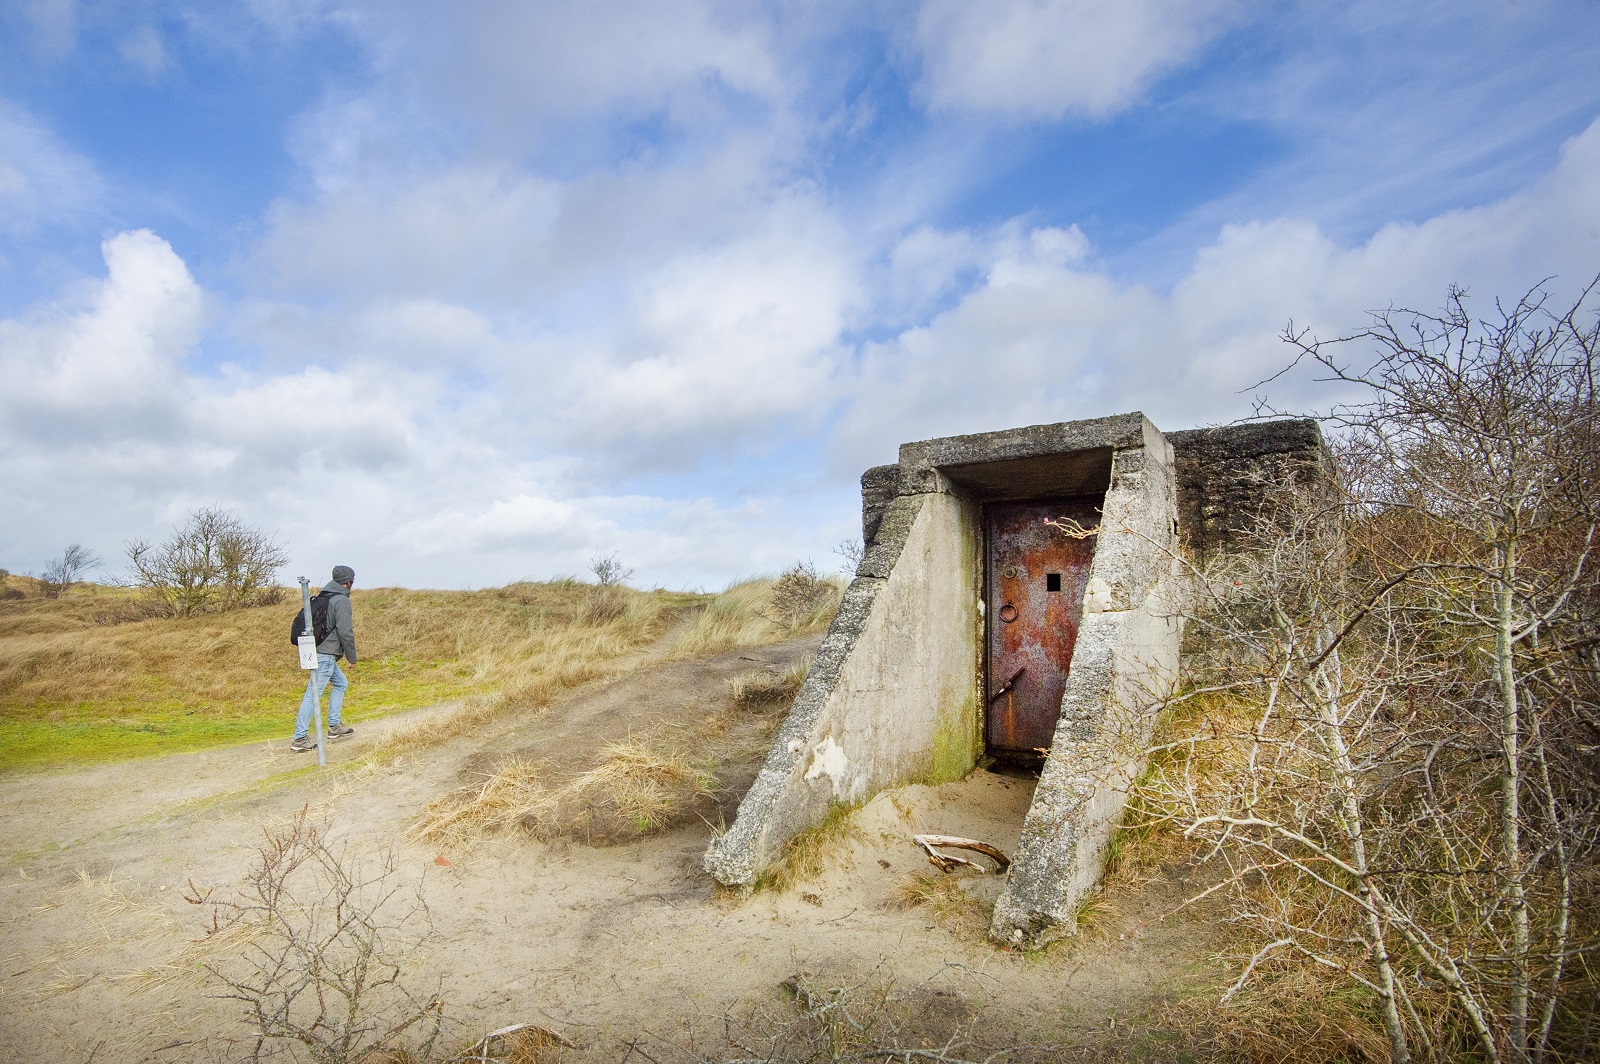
{"points": [[1016, 599]]}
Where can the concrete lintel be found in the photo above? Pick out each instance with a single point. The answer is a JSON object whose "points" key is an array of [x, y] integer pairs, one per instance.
{"points": [[1117, 432]]}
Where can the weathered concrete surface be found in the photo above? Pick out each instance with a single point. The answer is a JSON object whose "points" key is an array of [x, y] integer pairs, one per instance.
{"points": [[879, 486], [1223, 473], [1125, 661], [892, 695]]}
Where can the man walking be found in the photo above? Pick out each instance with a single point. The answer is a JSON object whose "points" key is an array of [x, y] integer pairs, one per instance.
{"points": [[339, 642]]}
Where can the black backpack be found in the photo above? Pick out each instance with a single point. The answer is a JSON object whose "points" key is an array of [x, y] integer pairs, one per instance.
{"points": [[319, 621]]}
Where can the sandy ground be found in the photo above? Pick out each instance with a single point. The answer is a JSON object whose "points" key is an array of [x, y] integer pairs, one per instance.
{"points": [[608, 946]]}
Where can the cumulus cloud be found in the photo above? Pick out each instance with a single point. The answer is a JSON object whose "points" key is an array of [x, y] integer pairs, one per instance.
{"points": [[1034, 59], [727, 339], [69, 369], [661, 315], [108, 423], [1048, 335]]}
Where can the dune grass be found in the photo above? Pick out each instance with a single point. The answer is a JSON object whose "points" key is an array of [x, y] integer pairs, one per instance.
{"points": [[76, 688], [743, 616], [81, 682]]}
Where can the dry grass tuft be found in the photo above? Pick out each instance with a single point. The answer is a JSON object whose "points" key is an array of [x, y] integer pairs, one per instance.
{"points": [[735, 618], [743, 616], [768, 688], [1295, 1016], [636, 787], [943, 897], [1099, 915]]}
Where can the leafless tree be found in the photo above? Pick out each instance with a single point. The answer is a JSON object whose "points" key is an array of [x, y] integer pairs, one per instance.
{"points": [[215, 561], [609, 570], [64, 571], [1398, 760]]}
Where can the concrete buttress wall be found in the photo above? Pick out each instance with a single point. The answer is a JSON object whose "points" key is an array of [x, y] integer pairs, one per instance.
{"points": [[1125, 660], [892, 694]]}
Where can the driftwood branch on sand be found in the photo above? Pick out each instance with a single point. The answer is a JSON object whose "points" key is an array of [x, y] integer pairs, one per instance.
{"points": [[949, 863]]}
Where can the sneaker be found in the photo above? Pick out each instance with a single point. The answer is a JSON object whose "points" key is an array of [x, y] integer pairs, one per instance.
{"points": [[302, 744], [339, 731]]}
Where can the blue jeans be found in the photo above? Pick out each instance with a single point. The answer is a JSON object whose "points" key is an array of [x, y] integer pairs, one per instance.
{"points": [[327, 671]]}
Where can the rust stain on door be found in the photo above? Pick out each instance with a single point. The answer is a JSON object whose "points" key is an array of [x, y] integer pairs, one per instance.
{"points": [[1035, 582]]}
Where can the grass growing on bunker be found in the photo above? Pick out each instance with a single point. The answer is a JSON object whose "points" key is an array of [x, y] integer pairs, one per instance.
{"points": [[76, 686], [808, 854]]}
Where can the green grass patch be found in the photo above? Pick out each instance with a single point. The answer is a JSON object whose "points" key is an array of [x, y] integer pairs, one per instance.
{"points": [[85, 680], [53, 736]]}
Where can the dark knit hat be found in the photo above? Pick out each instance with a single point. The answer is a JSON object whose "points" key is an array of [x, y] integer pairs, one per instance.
{"points": [[343, 574]]}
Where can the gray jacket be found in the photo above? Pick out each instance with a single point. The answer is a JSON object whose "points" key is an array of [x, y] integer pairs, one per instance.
{"points": [[341, 638]]}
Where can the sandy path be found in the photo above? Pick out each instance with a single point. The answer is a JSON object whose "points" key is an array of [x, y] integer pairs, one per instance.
{"points": [[602, 944]]}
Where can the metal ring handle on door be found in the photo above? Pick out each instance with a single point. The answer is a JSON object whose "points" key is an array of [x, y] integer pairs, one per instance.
{"points": [[1008, 613]]}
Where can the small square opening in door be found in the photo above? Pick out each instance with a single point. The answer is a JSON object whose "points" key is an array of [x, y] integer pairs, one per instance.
{"points": [[1052, 581]]}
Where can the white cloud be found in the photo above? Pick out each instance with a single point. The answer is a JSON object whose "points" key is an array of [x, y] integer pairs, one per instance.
{"points": [[524, 70], [453, 232], [1050, 58], [727, 339], [1048, 338], [662, 313], [67, 369], [109, 430]]}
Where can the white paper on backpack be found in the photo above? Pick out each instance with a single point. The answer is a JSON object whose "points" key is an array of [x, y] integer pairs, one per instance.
{"points": [[308, 652]]}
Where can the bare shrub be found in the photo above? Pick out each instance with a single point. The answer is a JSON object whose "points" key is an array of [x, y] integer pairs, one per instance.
{"points": [[1399, 765], [799, 594], [64, 571], [213, 562], [609, 570], [324, 947], [850, 552]]}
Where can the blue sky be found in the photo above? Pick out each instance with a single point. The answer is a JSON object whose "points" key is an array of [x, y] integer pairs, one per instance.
{"points": [[461, 294]]}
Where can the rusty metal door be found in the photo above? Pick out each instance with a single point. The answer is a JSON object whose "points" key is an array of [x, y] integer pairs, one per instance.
{"points": [[1035, 581]]}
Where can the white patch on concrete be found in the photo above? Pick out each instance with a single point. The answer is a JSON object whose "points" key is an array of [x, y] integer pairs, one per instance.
{"points": [[1096, 595], [828, 760]]}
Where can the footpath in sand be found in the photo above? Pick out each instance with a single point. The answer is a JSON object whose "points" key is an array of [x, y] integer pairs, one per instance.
{"points": [[605, 945]]}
